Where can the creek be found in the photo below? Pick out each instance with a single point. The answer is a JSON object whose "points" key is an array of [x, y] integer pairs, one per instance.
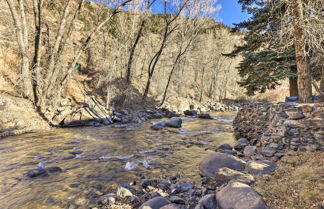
{"points": [[95, 159]]}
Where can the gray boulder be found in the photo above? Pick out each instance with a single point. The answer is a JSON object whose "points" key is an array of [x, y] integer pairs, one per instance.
{"points": [[225, 147], [225, 175], [158, 126], [38, 172], [207, 202], [241, 143], [174, 123], [261, 167], [237, 195], [192, 113], [155, 203], [170, 206], [215, 161], [205, 116], [249, 151]]}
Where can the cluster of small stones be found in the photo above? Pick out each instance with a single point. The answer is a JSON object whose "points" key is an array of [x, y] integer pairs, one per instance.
{"points": [[277, 127], [226, 183]]}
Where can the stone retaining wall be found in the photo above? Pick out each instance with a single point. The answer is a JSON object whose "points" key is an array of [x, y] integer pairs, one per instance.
{"points": [[280, 126]]}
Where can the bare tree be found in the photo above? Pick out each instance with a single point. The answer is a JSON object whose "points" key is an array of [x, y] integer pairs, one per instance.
{"points": [[169, 28], [192, 22], [48, 84]]}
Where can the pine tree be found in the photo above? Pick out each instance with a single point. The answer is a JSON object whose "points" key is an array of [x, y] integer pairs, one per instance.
{"points": [[264, 66]]}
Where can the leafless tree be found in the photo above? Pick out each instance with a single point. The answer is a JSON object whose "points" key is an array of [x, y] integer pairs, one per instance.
{"points": [[43, 84], [169, 29]]}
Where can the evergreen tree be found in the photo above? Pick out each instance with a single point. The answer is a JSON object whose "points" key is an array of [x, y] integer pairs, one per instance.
{"points": [[263, 66]]}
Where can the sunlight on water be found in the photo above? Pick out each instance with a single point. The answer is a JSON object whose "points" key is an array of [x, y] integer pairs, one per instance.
{"points": [[95, 159]]}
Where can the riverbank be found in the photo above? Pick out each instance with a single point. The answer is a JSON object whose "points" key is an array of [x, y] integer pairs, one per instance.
{"points": [[302, 173]]}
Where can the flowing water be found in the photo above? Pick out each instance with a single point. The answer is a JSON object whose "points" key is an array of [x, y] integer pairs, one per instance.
{"points": [[95, 159]]}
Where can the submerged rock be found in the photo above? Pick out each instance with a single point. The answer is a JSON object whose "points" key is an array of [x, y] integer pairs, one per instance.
{"points": [[155, 203], [54, 169], [237, 195], [261, 167], [215, 161], [38, 172]]}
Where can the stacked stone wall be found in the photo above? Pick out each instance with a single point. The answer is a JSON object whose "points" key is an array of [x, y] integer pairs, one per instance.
{"points": [[275, 127]]}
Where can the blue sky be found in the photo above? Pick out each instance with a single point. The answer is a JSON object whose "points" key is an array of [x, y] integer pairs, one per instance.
{"points": [[231, 12]]}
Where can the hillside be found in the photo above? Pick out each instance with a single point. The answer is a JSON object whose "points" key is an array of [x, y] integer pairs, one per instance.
{"points": [[202, 74]]}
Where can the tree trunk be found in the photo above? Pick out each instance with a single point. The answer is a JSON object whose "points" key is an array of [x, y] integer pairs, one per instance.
{"points": [[19, 20], [147, 88], [302, 59], [202, 84], [169, 81], [293, 87], [132, 52], [322, 83]]}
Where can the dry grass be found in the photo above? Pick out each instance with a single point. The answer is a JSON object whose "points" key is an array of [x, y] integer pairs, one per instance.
{"points": [[298, 183]]}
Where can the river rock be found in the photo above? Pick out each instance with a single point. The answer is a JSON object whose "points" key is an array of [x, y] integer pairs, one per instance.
{"points": [[155, 203], [225, 147], [177, 200], [174, 123], [54, 169], [207, 202], [295, 115], [158, 126], [241, 143], [268, 152], [205, 116], [107, 199], [191, 113], [225, 175], [170, 206], [237, 195], [124, 190], [38, 172], [215, 161], [249, 151], [261, 167]]}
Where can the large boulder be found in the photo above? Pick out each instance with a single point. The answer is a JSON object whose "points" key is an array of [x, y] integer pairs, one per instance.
{"points": [[174, 122], [158, 126], [237, 195], [261, 167], [225, 175], [155, 203], [206, 116], [215, 161], [191, 113], [207, 202]]}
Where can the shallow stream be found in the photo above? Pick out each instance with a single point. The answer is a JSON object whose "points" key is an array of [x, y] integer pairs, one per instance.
{"points": [[95, 159]]}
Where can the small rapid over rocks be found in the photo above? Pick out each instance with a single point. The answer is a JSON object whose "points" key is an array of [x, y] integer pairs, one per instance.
{"points": [[74, 167]]}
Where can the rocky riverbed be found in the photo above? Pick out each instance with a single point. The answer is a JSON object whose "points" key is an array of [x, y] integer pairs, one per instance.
{"points": [[77, 167]]}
